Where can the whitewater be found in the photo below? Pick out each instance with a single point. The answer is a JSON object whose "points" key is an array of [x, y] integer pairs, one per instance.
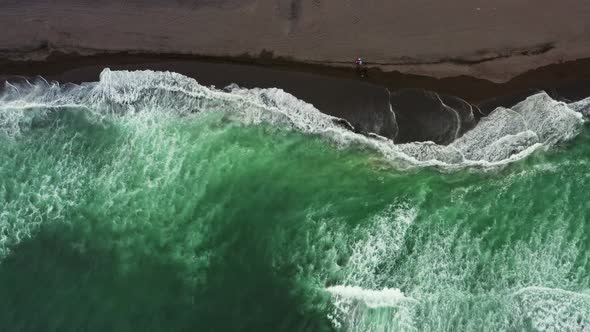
{"points": [[148, 201]]}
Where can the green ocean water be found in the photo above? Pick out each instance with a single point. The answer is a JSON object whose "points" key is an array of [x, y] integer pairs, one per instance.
{"points": [[201, 223]]}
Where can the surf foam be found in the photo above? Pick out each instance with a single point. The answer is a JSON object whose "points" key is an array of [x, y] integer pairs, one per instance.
{"points": [[506, 135]]}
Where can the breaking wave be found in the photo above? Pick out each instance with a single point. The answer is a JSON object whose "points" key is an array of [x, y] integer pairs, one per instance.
{"points": [[506, 135]]}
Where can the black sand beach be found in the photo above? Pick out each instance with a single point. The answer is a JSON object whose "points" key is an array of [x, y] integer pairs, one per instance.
{"points": [[162, 167]]}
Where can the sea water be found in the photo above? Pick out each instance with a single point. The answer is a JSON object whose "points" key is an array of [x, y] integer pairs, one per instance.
{"points": [[147, 202]]}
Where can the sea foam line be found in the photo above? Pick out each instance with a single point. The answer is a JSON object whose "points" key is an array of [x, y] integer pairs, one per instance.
{"points": [[387, 297], [505, 136]]}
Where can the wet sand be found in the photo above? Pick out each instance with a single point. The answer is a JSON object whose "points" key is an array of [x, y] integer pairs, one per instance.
{"points": [[363, 102]]}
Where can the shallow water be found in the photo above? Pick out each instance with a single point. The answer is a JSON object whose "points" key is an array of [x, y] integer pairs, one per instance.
{"points": [[223, 214]]}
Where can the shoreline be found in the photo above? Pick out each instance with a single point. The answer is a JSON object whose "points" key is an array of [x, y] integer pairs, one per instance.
{"points": [[564, 78], [394, 105]]}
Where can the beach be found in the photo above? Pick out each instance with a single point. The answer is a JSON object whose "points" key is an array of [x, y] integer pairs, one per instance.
{"points": [[294, 165], [494, 41]]}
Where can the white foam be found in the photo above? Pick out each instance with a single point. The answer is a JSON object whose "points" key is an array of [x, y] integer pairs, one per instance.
{"points": [[383, 241], [364, 275], [554, 309], [582, 106], [387, 297], [505, 136]]}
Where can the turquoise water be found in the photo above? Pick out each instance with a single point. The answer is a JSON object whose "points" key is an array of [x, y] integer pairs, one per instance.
{"points": [[157, 220]]}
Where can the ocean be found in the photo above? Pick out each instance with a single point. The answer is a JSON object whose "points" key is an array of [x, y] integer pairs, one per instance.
{"points": [[147, 202]]}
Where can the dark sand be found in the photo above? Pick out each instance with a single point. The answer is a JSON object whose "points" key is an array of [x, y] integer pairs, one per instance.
{"points": [[568, 78], [493, 40]]}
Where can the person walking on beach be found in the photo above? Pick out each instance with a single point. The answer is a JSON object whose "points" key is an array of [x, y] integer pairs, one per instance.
{"points": [[360, 68]]}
